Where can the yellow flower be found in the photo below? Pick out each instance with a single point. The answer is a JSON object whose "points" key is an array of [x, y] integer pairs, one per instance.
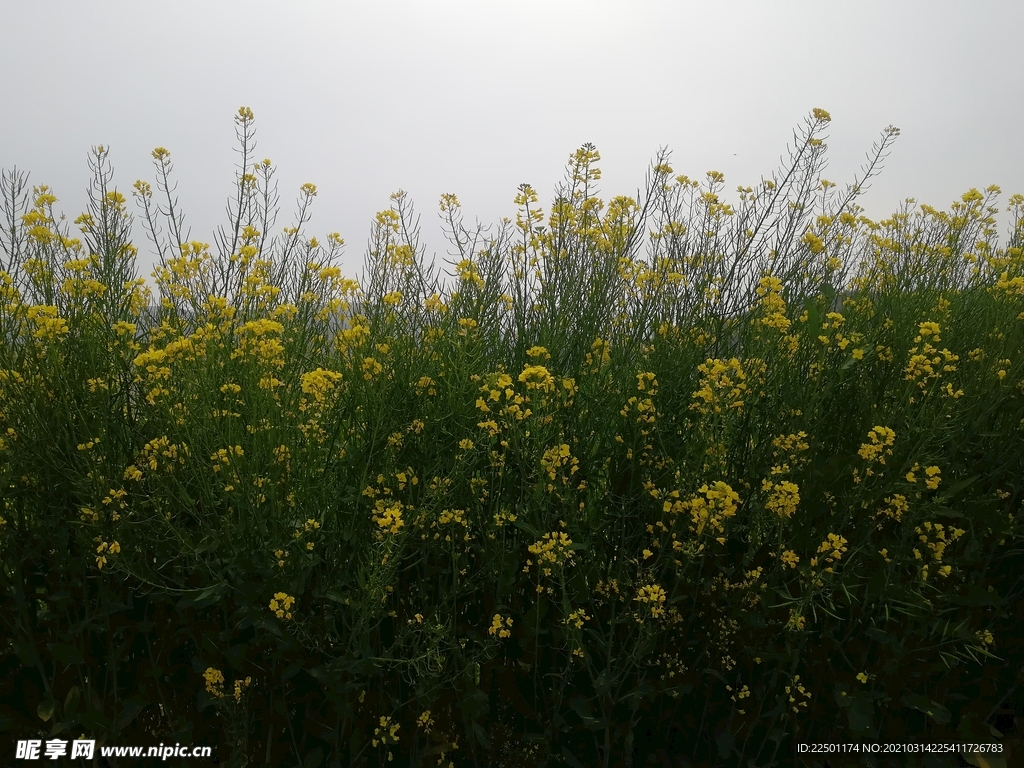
{"points": [[784, 497], [654, 597], [241, 685], [425, 721], [880, 438], [577, 618], [214, 681], [814, 243], [862, 676], [499, 626], [537, 377], [371, 368], [280, 605], [552, 550]]}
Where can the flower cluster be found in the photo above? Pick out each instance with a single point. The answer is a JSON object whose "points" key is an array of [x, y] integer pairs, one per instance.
{"points": [[551, 551], [877, 447], [723, 386], [653, 596], [832, 550], [713, 505], [281, 605], [783, 498], [214, 682], [500, 627], [935, 537]]}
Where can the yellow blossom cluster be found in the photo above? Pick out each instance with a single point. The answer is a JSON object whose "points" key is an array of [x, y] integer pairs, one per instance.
{"points": [[48, 325], [260, 339], [500, 626], [794, 689], [653, 596], [388, 517], [932, 476], [723, 385], [223, 456], [577, 618], [386, 733], [537, 377], [772, 305], [712, 505], [783, 498], [927, 363], [161, 447], [895, 507], [110, 548], [240, 686], [551, 551], [214, 682], [319, 384], [877, 447], [935, 537], [281, 605], [832, 550], [555, 458]]}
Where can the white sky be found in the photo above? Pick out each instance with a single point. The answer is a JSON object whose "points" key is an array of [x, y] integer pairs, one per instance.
{"points": [[477, 96]]}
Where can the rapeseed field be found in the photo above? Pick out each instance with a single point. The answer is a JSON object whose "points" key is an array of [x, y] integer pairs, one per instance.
{"points": [[636, 481]]}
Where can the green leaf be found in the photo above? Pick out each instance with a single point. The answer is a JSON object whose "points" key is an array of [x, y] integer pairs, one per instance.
{"points": [[582, 707], [45, 710], [957, 487], [60, 727], [208, 544], [210, 594], [859, 714], [813, 316], [71, 700], [313, 759], [133, 706], [570, 758], [933, 709], [726, 740]]}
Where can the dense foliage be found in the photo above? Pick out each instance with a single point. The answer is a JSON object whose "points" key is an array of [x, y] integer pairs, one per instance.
{"points": [[661, 477]]}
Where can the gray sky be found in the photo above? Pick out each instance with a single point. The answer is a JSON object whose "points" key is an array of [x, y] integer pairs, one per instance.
{"points": [[477, 96]]}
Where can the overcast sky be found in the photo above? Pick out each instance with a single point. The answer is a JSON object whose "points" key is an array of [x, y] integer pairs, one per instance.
{"points": [[477, 96]]}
